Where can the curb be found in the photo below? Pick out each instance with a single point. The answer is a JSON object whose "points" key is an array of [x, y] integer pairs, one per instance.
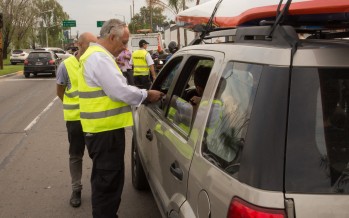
{"points": [[11, 74]]}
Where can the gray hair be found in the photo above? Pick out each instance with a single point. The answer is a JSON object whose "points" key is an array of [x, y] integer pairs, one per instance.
{"points": [[112, 26]]}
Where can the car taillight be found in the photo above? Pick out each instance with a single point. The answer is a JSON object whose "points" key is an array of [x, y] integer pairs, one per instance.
{"points": [[241, 209], [25, 62], [51, 62]]}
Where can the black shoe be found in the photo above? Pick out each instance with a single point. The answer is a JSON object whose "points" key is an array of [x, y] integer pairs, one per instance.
{"points": [[75, 199]]}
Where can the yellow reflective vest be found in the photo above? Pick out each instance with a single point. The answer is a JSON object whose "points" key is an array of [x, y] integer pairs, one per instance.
{"points": [[71, 110], [98, 112], [140, 66]]}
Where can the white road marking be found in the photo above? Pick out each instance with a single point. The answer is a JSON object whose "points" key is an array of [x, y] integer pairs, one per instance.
{"points": [[38, 117]]}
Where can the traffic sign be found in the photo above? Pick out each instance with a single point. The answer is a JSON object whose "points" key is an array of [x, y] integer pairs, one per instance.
{"points": [[100, 23], [69, 23]]}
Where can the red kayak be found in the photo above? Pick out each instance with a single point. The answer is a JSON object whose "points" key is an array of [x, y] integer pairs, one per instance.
{"points": [[233, 13]]}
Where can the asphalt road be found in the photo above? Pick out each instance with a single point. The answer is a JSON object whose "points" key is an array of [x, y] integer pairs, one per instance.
{"points": [[34, 174]]}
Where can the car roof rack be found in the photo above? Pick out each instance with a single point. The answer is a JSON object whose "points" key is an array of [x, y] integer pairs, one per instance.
{"points": [[336, 27]]}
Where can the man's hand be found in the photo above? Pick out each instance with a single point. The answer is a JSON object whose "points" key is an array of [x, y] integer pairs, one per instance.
{"points": [[154, 96]]}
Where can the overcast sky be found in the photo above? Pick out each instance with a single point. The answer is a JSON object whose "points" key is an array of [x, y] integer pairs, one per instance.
{"points": [[88, 12]]}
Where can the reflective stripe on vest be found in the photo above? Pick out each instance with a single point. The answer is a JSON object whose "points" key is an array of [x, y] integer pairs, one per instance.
{"points": [[71, 110], [98, 112], [140, 66]]}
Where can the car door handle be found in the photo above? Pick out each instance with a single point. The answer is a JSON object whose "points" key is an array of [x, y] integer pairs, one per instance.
{"points": [[176, 171], [149, 135]]}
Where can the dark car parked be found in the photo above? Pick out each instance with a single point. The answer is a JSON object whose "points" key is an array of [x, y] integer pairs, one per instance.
{"points": [[41, 62]]}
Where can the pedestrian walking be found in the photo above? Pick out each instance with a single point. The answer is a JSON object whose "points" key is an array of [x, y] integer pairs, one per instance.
{"points": [[67, 87], [105, 99], [143, 64], [123, 61]]}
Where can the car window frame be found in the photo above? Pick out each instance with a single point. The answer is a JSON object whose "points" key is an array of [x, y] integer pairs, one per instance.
{"points": [[186, 56]]}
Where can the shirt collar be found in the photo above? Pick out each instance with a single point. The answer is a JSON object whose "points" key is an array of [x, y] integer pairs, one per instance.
{"points": [[96, 44]]}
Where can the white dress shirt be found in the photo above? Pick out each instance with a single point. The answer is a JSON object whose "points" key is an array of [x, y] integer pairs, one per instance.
{"points": [[100, 71]]}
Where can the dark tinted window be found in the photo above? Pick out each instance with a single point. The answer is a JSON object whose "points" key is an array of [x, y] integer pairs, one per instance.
{"points": [[229, 116], [45, 55], [17, 51], [318, 133]]}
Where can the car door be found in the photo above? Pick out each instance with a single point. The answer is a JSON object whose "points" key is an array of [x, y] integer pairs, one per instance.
{"points": [[147, 116], [172, 141]]}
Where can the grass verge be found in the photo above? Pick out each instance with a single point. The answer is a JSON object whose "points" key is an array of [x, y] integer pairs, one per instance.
{"points": [[8, 68]]}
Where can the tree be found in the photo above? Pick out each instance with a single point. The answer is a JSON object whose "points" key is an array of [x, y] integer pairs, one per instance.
{"points": [[13, 20], [142, 20], [21, 19], [49, 17]]}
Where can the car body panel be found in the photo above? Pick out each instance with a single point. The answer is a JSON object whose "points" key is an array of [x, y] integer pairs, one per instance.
{"points": [[320, 206]]}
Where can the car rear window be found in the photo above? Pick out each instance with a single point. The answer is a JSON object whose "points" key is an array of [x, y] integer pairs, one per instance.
{"points": [[40, 55], [17, 51], [318, 132]]}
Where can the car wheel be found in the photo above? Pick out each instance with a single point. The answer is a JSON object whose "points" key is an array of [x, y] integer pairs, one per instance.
{"points": [[13, 63], [54, 74], [139, 180], [26, 75]]}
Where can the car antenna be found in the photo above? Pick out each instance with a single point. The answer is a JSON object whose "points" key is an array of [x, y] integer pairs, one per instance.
{"points": [[209, 24], [280, 15]]}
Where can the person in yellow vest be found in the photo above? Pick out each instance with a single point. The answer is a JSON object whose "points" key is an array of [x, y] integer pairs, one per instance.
{"points": [[105, 99], [67, 91], [142, 65]]}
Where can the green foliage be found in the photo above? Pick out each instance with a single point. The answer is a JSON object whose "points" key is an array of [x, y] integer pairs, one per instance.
{"points": [[26, 21], [142, 20], [8, 68]]}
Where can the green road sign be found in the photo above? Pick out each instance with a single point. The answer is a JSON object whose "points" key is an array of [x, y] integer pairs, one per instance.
{"points": [[69, 23], [100, 23]]}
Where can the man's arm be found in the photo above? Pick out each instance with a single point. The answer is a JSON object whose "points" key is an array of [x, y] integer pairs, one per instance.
{"points": [[60, 91], [152, 72], [61, 80]]}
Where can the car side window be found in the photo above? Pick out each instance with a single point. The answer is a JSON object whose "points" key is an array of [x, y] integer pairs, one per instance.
{"points": [[165, 80], [229, 116], [186, 97]]}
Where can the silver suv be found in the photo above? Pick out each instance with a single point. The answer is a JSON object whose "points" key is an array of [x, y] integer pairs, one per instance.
{"points": [[264, 134]]}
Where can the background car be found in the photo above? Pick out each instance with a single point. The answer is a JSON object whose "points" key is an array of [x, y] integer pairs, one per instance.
{"points": [[58, 51], [41, 62], [19, 55]]}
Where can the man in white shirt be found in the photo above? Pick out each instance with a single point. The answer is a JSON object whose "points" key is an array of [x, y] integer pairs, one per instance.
{"points": [[105, 99]]}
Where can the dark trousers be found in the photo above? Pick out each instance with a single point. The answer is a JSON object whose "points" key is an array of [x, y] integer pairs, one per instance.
{"points": [[129, 76], [142, 82], [76, 152], [106, 149]]}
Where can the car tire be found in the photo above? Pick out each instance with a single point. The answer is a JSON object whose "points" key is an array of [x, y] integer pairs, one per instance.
{"points": [[26, 75], [13, 63], [139, 180], [54, 73]]}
